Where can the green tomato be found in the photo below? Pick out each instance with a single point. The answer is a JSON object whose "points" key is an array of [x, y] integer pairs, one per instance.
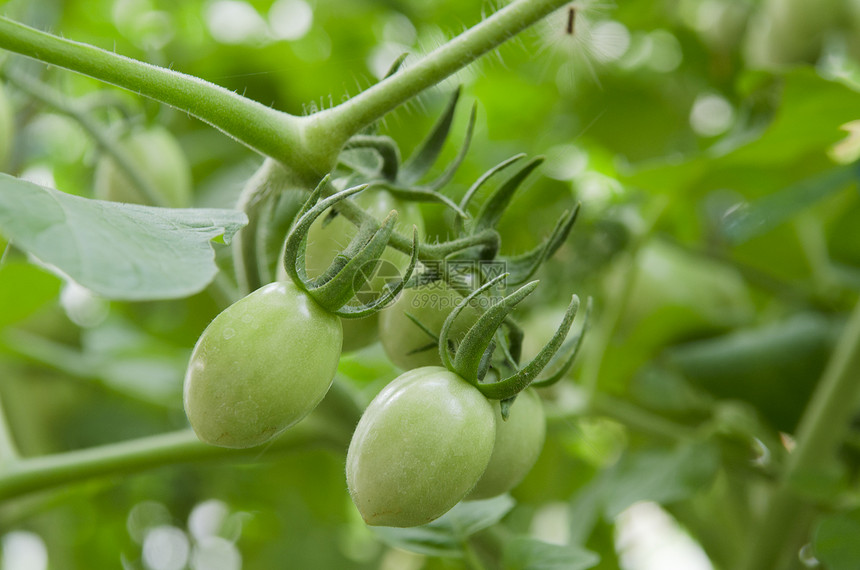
{"points": [[325, 241], [261, 366], [431, 305], [7, 127], [519, 441], [158, 156], [420, 446]]}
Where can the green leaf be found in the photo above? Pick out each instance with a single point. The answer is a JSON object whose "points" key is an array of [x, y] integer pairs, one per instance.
{"points": [[119, 251], [469, 517], [24, 288], [774, 367], [445, 535], [426, 539], [811, 110], [525, 553], [836, 543], [663, 475], [768, 212]]}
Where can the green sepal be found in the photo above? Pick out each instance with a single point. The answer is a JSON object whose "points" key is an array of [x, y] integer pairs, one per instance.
{"points": [[508, 356], [451, 169], [337, 285], [467, 359], [571, 349], [424, 328], [349, 312], [428, 346], [505, 407], [340, 288], [385, 146], [486, 360], [365, 234], [420, 194], [294, 249], [444, 353], [492, 210], [523, 266], [395, 65], [479, 183], [424, 158], [519, 381]]}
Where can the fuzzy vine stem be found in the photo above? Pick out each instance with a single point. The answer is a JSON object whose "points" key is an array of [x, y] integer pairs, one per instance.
{"points": [[309, 145], [44, 472], [103, 139], [264, 129], [366, 107], [822, 428]]}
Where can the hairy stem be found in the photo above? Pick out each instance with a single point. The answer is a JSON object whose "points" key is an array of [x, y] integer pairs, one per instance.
{"points": [[105, 141], [821, 430], [268, 131], [309, 145], [639, 419], [365, 108], [39, 473]]}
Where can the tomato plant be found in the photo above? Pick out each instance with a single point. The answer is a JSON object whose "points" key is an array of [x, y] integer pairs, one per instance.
{"points": [[647, 214]]}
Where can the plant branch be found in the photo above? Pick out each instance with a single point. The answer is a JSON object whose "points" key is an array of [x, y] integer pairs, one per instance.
{"points": [[821, 430], [39, 473], [351, 116], [262, 128], [105, 141], [639, 419], [606, 329]]}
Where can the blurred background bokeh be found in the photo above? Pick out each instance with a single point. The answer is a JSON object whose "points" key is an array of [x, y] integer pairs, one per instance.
{"points": [[710, 143]]}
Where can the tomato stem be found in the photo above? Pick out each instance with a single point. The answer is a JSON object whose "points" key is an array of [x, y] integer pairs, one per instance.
{"points": [[819, 434], [38, 473], [262, 128], [309, 145], [362, 110]]}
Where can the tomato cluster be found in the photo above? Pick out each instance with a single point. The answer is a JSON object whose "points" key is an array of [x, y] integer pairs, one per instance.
{"points": [[441, 432]]}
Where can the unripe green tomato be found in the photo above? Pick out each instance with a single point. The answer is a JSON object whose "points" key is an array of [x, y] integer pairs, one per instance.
{"points": [[261, 366], [420, 446], [431, 305], [7, 127], [325, 241], [159, 158], [519, 441]]}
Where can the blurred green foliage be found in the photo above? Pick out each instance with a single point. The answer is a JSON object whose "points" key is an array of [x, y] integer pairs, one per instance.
{"points": [[673, 123]]}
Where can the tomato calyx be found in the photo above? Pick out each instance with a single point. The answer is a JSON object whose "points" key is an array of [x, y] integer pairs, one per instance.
{"points": [[350, 270], [522, 266], [401, 178], [474, 356]]}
